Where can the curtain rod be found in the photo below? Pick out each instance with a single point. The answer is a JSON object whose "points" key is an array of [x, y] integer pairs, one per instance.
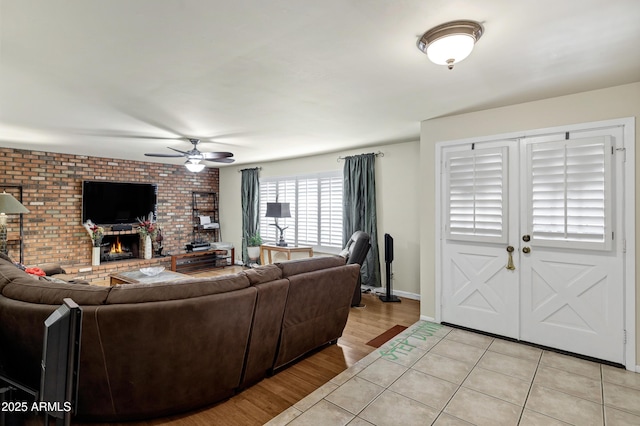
{"points": [[253, 168], [377, 154]]}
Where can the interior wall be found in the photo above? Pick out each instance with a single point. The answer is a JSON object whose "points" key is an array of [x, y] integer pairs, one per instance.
{"points": [[52, 191], [396, 194], [610, 103]]}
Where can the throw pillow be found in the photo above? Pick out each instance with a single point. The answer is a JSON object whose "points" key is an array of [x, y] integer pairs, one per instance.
{"points": [[35, 271]]}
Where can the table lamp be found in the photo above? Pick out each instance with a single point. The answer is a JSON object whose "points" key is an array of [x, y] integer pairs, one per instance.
{"points": [[278, 210], [8, 205]]}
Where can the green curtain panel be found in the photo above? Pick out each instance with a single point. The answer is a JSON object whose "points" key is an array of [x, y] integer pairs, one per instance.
{"points": [[359, 210], [250, 188]]}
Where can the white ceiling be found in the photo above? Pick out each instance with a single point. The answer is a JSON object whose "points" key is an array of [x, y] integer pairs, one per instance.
{"points": [[284, 78]]}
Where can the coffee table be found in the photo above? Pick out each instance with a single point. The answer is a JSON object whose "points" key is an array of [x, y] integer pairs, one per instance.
{"points": [[137, 277]]}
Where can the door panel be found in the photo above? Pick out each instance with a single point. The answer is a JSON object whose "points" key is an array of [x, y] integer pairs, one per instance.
{"points": [[573, 303], [480, 293], [572, 282]]}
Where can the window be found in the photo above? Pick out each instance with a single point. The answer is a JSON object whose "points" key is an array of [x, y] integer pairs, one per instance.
{"points": [[316, 209], [569, 193], [476, 188]]}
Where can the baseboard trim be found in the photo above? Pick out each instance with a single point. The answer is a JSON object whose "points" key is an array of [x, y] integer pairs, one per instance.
{"points": [[637, 368], [399, 293], [406, 294], [426, 318]]}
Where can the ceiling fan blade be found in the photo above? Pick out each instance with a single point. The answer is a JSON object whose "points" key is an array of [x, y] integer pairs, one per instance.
{"points": [[164, 155], [177, 150], [215, 155], [222, 160]]}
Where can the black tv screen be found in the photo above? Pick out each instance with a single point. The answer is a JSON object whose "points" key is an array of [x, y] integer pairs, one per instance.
{"points": [[110, 203]]}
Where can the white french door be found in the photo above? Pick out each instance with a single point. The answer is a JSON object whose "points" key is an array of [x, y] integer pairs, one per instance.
{"points": [[480, 291], [532, 245]]}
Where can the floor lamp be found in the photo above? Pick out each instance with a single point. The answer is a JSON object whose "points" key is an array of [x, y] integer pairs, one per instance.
{"points": [[8, 205], [278, 210]]}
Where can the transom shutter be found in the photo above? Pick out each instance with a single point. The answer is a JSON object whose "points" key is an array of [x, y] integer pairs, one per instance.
{"points": [[570, 193], [477, 191]]}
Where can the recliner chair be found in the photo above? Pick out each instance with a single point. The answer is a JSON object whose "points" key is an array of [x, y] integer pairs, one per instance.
{"points": [[356, 251]]}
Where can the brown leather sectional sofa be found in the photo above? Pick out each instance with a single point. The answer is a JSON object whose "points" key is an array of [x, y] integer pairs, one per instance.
{"points": [[158, 349]]}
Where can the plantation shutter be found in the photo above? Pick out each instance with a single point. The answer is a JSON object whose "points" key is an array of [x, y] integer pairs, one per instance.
{"points": [[570, 193], [330, 220], [477, 191], [308, 211], [316, 209], [287, 194], [284, 191], [268, 191]]}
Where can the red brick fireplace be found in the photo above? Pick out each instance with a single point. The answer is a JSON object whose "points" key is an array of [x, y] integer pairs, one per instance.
{"points": [[52, 191], [120, 246]]}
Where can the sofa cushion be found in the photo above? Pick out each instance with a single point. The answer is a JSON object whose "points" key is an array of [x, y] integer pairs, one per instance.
{"points": [[9, 272], [265, 333], [5, 257], [174, 290], [316, 312], [300, 266], [263, 274], [29, 289]]}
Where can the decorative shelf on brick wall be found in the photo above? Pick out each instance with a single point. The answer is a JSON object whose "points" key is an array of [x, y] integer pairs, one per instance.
{"points": [[202, 260], [205, 204]]}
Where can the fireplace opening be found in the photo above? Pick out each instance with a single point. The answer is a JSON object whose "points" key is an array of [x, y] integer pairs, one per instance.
{"points": [[119, 247]]}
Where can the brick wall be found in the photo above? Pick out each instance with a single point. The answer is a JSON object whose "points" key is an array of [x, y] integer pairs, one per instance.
{"points": [[52, 191]]}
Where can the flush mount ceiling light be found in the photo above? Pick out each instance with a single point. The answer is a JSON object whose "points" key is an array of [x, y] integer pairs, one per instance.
{"points": [[450, 43], [193, 165]]}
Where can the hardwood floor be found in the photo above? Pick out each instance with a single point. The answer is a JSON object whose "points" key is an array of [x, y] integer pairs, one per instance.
{"points": [[268, 398]]}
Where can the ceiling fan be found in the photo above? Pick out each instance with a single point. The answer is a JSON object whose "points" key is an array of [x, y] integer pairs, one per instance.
{"points": [[194, 156]]}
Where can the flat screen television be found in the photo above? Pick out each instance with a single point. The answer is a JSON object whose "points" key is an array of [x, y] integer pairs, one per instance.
{"points": [[110, 203], [61, 361]]}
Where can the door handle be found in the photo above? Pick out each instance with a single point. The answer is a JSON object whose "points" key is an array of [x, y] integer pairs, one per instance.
{"points": [[526, 250], [510, 265]]}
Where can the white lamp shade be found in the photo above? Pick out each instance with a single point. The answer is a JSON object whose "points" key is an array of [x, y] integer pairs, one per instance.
{"points": [[9, 204], [450, 49], [194, 166]]}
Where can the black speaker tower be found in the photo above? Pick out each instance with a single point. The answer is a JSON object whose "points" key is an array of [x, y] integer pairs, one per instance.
{"points": [[388, 258]]}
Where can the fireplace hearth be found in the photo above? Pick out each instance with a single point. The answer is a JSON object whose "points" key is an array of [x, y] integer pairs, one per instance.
{"points": [[120, 247]]}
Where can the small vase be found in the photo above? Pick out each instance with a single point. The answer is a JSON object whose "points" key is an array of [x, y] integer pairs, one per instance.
{"points": [[95, 256], [148, 247]]}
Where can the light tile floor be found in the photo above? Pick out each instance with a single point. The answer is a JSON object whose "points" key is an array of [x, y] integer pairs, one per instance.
{"points": [[433, 374]]}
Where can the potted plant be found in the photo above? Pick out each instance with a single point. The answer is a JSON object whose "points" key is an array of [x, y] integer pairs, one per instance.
{"points": [[253, 247]]}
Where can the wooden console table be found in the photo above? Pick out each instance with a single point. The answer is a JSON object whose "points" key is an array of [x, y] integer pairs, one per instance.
{"points": [[202, 260], [272, 247]]}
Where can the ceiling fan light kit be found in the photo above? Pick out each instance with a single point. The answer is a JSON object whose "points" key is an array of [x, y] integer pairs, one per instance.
{"points": [[451, 42], [194, 166], [194, 156]]}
